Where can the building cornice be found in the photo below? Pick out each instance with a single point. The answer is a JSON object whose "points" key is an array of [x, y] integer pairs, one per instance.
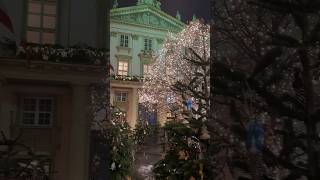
{"points": [[121, 56], [146, 16], [144, 26], [50, 72], [125, 84], [43, 65]]}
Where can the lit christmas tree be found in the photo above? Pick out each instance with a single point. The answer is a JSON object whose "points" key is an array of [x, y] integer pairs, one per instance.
{"points": [[183, 58], [179, 83]]}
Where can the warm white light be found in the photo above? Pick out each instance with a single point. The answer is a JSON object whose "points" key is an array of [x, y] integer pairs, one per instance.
{"points": [[171, 65]]}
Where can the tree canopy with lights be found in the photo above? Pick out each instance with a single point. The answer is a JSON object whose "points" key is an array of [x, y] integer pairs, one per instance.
{"points": [[183, 58], [179, 83]]}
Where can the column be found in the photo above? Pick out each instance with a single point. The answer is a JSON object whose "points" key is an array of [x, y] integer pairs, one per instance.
{"points": [[6, 113], [79, 133], [1, 107], [134, 107]]}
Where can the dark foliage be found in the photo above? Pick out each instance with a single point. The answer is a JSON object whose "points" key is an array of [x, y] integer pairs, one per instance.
{"points": [[266, 55]]}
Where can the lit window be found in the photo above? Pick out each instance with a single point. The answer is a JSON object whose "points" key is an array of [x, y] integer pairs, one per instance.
{"points": [[146, 70], [124, 40], [37, 111], [41, 24], [121, 96], [147, 44], [123, 68]]}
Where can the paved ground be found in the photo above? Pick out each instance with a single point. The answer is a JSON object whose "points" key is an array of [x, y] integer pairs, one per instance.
{"points": [[147, 155]]}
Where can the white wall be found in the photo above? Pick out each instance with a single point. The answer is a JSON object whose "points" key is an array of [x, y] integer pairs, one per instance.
{"points": [[135, 45]]}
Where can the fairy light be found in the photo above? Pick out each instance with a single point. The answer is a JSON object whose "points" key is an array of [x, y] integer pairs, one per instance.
{"points": [[171, 66]]}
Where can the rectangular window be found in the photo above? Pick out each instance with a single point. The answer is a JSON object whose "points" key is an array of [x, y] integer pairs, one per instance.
{"points": [[124, 40], [123, 67], [146, 70], [121, 96], [147, 44], [41, 24], [37, 111]]}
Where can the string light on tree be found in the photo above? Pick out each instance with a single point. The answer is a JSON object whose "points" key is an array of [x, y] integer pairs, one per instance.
{"points": [[172, 65]]}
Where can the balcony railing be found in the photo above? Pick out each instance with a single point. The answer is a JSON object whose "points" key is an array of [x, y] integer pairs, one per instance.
{"points": [[147, 53], [127, 78], [55, 53]]}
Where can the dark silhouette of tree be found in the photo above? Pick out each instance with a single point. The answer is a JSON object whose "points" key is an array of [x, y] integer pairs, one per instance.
{"points": [[266, 60], [19, 161]]}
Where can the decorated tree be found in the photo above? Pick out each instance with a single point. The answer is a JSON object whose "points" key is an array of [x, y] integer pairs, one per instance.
{"points": [[179, 83], [180, 72], [265, 79]]}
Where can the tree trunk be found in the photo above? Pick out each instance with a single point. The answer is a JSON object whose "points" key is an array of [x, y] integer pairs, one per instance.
{"points": [[310, 125]]}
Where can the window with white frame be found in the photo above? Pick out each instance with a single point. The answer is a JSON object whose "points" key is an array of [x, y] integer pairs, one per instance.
{"points": [[123, 67], [37, 111], [146, 70], [121, 96], [147, 44], [124, 40], [41, 22]]}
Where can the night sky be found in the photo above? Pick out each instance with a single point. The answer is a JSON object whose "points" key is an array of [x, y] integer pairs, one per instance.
{"points": [[201, 8]]}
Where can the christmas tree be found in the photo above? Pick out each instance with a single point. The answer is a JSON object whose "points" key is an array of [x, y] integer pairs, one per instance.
{"points": [[179, 84]]}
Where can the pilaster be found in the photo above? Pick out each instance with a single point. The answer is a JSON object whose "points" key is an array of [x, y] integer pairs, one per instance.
{"points": [[79, 133], [1, 106], [134, 107], [6, 113]]}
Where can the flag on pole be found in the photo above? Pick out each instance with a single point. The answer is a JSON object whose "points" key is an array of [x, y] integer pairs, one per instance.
{"points": [[4, 18], [111, 67]]}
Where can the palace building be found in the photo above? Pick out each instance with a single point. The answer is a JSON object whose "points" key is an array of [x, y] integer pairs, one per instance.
{"points": [[136, 35]]}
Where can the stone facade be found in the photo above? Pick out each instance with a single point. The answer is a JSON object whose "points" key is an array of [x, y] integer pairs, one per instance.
{"points": [[137, 33], [45, 94]]}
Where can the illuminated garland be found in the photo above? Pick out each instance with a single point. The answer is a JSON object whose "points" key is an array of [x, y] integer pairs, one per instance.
{"points": [[127, 78], [77, 55]]}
